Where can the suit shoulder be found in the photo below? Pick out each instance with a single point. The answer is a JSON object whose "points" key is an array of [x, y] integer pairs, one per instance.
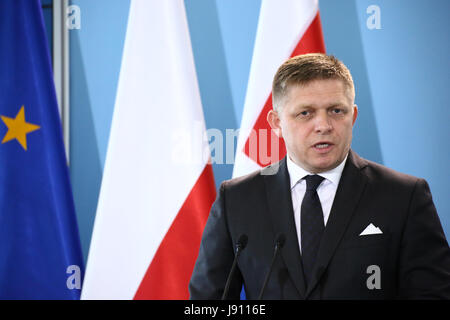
{"points": [[255, 177], [251, 181], [383, 174], [243, 181]]}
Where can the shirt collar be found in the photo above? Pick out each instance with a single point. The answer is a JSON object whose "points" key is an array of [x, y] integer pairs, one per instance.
{"points": [[296, 172]]}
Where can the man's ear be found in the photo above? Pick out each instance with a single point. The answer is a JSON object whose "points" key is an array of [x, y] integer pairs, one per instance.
{"points": [[274, 121], [355, 114]]}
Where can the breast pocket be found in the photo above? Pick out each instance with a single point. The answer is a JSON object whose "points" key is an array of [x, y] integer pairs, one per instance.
{"points": [[365, 265]]}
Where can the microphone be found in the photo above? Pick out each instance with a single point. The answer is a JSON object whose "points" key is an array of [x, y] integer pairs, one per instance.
{"points": [[279, 243], [241, 243]]}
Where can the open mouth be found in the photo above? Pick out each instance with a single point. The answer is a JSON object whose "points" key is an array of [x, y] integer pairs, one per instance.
{"points": [[323, 146]]}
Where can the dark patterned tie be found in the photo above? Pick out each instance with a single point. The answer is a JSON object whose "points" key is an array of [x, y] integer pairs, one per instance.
{"points": [[312, 225]]}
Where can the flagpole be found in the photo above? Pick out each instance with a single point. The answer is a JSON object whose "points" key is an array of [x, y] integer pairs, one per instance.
{"points": [[61, 68]]}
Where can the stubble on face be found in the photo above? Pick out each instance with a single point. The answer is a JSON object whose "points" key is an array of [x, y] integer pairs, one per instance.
{"points": [[316, 122]]}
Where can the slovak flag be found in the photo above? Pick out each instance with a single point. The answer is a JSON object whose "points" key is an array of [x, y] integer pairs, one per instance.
{"points": [[285, 29], [158, 185]]}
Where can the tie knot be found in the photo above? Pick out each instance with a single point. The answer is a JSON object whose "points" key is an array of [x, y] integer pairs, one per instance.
{"points": [[313, 181]]}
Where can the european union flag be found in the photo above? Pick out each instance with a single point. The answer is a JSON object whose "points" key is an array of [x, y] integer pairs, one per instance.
{"points": [[40, 253]]}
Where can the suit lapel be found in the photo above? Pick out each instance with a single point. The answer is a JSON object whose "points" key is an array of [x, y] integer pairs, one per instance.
{"points": [[282, 217], [349, 191]]}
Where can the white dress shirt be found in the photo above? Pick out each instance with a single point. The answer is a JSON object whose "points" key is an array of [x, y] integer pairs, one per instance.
{"points": [[326, 190]]}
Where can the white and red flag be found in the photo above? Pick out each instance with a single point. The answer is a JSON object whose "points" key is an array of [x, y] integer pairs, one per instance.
{"points": [[158, 185], [285, 29]]}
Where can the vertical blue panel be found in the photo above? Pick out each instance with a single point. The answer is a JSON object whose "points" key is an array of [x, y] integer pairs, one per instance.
{"points": [[212, 73], [409, 73], [95, 59], [238, 21]]}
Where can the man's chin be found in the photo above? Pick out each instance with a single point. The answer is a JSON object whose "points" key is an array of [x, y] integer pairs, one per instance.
{"points": [[323, 166]]}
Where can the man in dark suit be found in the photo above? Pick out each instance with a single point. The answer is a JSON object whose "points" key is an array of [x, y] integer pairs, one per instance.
{"points": [[352, 229]]}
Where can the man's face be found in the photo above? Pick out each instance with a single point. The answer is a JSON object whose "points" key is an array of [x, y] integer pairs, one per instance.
{"points": [[316, 122]]}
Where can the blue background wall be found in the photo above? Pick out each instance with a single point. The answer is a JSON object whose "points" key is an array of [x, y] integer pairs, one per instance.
{"points": [[401, 73]]}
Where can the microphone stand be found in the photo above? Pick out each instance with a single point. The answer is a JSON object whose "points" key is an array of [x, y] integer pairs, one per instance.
{"points": [[278, 245], [240, 245]]}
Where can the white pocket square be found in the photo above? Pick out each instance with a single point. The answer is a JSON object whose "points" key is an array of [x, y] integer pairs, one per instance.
{"points": [[371, 229]]}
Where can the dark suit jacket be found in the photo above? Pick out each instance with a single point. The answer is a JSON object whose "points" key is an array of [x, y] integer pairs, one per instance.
{"points": [[412, 253]]}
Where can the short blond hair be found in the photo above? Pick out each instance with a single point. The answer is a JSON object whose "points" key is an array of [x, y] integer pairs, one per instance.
{"points": [[303, 69]]}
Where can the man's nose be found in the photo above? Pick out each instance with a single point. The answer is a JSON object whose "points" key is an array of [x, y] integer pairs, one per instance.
{"points": [[323, 124]]}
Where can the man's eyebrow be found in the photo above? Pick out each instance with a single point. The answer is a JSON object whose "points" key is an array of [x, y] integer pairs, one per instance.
{"points": [[331, 105], [336, 104], [303, 106]]}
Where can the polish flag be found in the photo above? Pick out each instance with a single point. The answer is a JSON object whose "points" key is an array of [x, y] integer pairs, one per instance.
{"points": [[158, 184], [285, 29]]}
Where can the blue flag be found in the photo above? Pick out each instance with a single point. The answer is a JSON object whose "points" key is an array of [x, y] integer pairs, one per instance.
{"points": [[40, 252]]}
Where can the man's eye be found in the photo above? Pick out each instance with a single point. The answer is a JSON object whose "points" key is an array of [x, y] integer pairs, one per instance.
{"points": [[337, 111], [304, 113]]}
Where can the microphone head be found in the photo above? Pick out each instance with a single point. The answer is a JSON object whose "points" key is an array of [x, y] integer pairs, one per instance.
{"points": [[280, 240], [241, 243]]}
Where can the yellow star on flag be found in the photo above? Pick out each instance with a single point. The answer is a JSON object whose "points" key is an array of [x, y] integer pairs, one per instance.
{"points": [[18, 128]]}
